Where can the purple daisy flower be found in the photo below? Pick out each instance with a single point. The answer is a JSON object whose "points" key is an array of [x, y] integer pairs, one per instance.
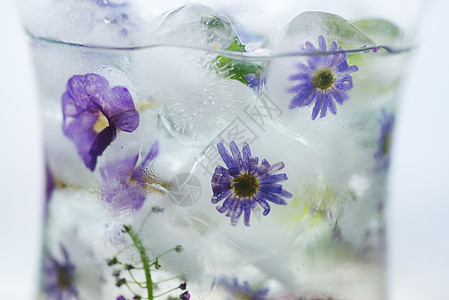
{"points": [[382, 154], [126, 185], [323, 81], [243, 291], [58, 278], [245, 184], [94, 112]]}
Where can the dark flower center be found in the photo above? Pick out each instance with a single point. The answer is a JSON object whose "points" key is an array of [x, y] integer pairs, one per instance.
{"points": [[245, 185], [243, 296], [64, 278], [323, 79]]}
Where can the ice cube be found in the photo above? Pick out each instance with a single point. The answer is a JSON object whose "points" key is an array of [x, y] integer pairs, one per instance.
{"points": [[382, 31], [198, 99], [309, 25], [195, 25], [338, 140]]}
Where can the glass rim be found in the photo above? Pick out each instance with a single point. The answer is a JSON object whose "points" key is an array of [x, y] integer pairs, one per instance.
{"points": [[228, 53]]}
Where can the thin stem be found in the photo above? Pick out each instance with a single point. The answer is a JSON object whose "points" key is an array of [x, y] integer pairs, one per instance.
{"points": [[130, 289], [143, 258], [135, 280], [164, 253], [165, 293], [144, 221], [168, 279], [121, 251]]}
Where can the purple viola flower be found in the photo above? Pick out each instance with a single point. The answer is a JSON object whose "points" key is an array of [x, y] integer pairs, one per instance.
{"points": [[126, 185], [383, 144], [58, 278], [242, 291], [245, 185], [324, 80], [94, 112]]}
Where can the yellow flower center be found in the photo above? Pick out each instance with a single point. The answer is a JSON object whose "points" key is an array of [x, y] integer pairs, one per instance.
{"points": [[101, 123]]}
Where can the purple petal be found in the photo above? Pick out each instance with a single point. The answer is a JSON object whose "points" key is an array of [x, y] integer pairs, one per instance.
{"points": [[286, 194], [318, 105], [225, 204], [126, 121], [128, 200], [270, 188], [114, 101], [274, 178], [101, 142], [264, 204], [275, 167], [309, 47], [300, 76], [330, 103], [275, 199], [339, 96], [344, 83], [154, 150], [262, 168], [84, 88], [227, 159], [78, 126], [236, 154], [322, 43], [246, 151], [225, 193], [304, 97], [246, 207], [119, 171]]}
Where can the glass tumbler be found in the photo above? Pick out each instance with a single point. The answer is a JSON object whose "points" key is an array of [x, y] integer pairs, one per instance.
{"points": [[217, 149]]}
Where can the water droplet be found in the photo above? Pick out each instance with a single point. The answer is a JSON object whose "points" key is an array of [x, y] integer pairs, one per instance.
{"points": [[107, 20]]}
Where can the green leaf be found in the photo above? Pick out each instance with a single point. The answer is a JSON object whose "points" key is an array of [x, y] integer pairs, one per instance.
{"points": [[235, 68]]}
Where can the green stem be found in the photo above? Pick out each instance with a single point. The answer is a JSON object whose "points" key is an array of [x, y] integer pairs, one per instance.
{"points": [[165, 293], [168, 279], [135, 280], [143, 258]]}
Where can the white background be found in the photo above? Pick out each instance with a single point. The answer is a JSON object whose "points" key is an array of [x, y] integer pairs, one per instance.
{"points": [[418, 211]]}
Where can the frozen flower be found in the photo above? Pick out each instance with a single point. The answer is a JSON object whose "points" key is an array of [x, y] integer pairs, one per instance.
{"points": [[245, 185], [126, 185], [324, 80], [184, 296], [382, 154], [242, 291], [94, 112], [58, 278]]}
